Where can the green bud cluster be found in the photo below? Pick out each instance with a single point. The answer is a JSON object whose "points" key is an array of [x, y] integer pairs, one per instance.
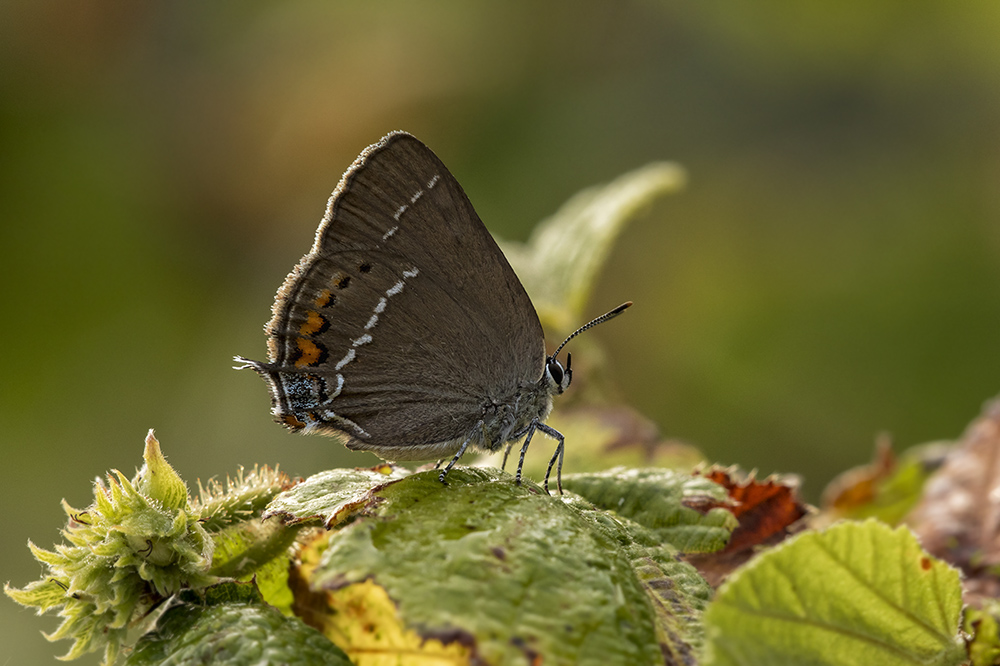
{"points": [[137, 544]]}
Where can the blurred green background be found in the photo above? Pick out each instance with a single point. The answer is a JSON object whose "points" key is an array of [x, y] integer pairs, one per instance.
{"points": [[833, 270]]}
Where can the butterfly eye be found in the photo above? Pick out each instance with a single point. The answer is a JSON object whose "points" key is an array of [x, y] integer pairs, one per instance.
{"points": [[560, 377], [555, 371]]}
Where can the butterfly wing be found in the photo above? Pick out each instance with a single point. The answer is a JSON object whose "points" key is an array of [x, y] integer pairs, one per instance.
{"points": [[405, 318]]}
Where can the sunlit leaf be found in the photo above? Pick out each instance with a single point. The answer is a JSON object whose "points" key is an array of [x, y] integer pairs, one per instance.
{"points": [[855, 594]]}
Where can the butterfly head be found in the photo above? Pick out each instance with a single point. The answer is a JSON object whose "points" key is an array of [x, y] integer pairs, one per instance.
{"points": [[557, 377]]}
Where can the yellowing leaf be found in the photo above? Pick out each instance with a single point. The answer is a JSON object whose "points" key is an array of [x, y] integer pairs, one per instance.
{"points": [[366, 625]]}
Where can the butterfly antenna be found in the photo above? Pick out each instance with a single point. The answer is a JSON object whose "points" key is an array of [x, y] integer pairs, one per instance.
{"points": [[592, 323]]}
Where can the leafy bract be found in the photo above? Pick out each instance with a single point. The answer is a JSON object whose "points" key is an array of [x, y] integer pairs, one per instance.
{"points": [[857, 593], [241, 498], [144, 540], [139, 542]]}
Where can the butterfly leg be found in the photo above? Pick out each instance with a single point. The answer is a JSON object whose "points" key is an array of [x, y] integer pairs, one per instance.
{"points": [[524, 449], [510, 445], [506, 452], [560, 450], [458, 455]]}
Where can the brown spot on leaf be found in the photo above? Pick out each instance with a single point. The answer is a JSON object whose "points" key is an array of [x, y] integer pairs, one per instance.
{"points": [[451, 635], [530, 654]]}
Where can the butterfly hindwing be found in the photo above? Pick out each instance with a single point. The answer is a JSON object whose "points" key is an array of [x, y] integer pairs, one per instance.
{"points": [[405, 317]]}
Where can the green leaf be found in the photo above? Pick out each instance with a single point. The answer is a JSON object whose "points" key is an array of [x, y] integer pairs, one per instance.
{"points": [[655, 498], [228, 626], [502, 571], [898, 494], [257, 550], [857, 593], [561, 261]]}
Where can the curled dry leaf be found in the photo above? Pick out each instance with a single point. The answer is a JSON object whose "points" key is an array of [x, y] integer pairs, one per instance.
{"points": [[767, 511], [858, 486], [887, 488]]}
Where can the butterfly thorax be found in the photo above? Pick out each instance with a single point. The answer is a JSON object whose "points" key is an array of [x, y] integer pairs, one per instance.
{"points": [[503, 420]]}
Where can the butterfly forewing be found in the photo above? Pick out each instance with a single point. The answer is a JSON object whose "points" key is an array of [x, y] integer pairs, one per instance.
{"points": [[399, 317]]}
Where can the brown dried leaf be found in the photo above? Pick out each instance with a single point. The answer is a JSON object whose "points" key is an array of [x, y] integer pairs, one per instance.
{"points": [[767, 512]]}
